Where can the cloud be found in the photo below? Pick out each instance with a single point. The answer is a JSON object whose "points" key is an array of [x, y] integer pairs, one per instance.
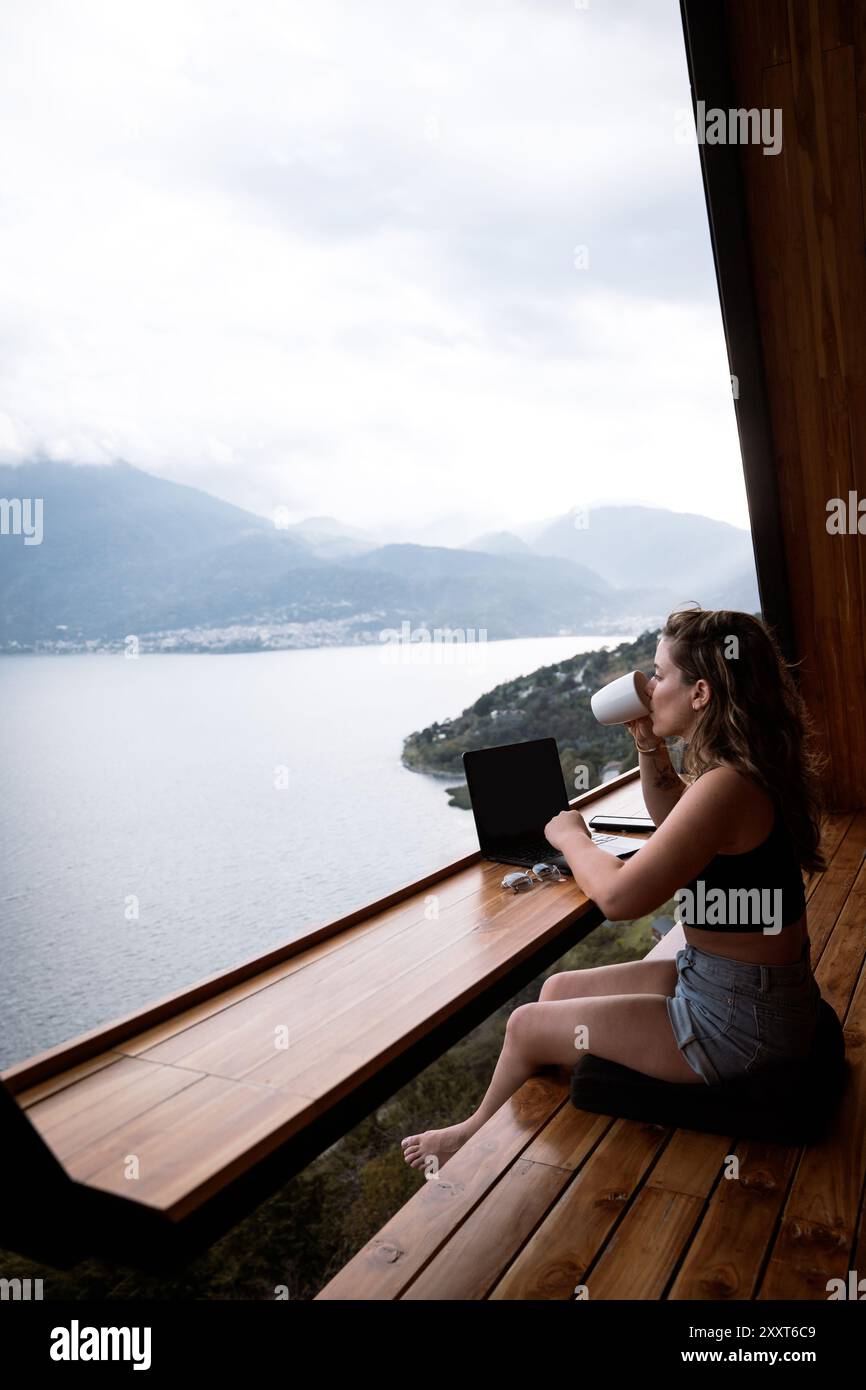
{"points": [[325, 256]]}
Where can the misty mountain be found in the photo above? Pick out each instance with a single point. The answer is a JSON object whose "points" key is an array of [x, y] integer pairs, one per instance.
{"points": [[631, 546], [331, 539], [124, 552], [499, 543]]}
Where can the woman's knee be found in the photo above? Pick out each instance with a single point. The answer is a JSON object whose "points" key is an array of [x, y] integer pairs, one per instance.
{"points": [[572, 984], [519, 1023], [557, 986]]}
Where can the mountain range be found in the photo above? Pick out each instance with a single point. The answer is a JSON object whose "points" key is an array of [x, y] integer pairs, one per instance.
{"points": [[124, 552]]}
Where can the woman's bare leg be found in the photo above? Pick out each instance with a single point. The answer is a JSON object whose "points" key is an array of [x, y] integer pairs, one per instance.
{"points": [[652, 975], [634, 1030], [513, 1068]]}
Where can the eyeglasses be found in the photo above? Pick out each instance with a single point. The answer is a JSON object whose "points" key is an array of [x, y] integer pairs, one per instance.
{"points": [[546, 873]]}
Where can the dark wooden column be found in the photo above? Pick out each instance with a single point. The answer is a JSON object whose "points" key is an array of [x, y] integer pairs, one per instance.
{"points": [[789, 237]]}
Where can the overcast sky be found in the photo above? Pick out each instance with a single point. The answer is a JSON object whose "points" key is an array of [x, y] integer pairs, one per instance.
{"points": [[321, 255]]}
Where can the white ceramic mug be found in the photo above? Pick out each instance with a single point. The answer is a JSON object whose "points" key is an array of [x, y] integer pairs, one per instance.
{"points": [[622, 700]]}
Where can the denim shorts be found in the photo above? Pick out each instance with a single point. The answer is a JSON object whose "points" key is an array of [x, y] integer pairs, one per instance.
{"points": [[731, 1018]]}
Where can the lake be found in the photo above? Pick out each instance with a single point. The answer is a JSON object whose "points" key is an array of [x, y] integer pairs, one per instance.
{"points": [[167, 817]]}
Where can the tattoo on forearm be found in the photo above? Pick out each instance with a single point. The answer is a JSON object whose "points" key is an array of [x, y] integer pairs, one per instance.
{"points": [[666, 778]]}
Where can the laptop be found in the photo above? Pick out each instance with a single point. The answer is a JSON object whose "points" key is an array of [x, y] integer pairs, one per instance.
{"points": [[515, 790]]}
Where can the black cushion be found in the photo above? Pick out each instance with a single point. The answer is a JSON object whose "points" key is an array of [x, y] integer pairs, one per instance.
{"points": [[789, 1103]]}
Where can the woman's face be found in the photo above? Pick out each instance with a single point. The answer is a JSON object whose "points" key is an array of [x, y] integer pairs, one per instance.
{"points": [[670, 700]]}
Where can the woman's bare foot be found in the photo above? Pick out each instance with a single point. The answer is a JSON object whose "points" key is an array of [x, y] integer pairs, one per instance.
{"points": [[442, 1143]]}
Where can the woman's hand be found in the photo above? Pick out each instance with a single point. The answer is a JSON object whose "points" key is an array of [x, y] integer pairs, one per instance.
{"points": [[641, 731], [563, 827]]}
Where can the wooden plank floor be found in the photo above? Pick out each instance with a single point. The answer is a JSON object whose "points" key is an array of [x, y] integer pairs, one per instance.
{"points": [[546, 1197], [211, 1088]]}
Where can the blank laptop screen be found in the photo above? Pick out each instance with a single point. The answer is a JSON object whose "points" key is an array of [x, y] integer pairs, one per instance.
{"points": [[515, 790]]}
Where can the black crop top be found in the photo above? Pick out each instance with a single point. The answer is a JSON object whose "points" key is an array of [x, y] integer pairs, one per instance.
{"points": [[772, 868]]}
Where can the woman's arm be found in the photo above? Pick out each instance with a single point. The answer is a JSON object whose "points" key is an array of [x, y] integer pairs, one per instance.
{"points": [[660, 783], [691, 835]]}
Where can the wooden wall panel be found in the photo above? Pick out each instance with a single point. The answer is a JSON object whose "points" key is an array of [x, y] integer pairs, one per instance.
{"points": [[807, 231]]}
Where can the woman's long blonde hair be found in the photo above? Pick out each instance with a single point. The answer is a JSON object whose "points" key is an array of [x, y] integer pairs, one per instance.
{"points": [[756, 718]]}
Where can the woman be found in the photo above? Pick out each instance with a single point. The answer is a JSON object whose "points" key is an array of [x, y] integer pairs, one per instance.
{"points": [[740, 995]]}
